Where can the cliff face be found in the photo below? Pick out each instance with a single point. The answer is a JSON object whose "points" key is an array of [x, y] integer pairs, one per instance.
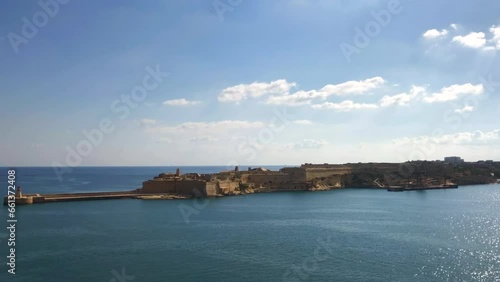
{"points": [[423, 173]]}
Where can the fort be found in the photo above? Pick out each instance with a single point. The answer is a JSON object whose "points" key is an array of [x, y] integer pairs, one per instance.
{"points": [[416, 175], [234, 182]]}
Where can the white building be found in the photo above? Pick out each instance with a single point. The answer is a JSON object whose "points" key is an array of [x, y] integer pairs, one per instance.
{"points": [[453, 160]]}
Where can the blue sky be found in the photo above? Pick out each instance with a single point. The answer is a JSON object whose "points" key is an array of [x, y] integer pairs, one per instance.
{"points": [[249, 82]]}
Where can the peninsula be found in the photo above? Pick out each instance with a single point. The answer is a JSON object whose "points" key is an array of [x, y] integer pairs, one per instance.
{"points": [[416, 175]]}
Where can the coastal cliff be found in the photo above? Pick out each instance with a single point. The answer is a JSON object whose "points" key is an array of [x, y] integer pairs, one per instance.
{"points": [[367, 175], [321, 177]]}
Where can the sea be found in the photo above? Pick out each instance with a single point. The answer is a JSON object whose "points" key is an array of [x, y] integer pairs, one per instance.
{"points": [[339, 235]]}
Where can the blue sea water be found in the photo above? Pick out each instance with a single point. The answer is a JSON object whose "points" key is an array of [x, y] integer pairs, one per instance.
{"points": [[340, 235]]}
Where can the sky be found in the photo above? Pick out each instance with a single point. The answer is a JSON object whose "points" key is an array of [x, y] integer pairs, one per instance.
{"points": [[240, 82]]}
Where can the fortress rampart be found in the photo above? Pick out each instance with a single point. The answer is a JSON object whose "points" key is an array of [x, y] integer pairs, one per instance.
{"points": [[315, 173], [306, 177]]}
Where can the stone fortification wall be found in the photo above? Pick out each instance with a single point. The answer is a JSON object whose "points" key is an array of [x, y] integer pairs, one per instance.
{"points": [[310, 165], [314, 173], [227, 183], [211, 189], [228, 187], [375, 166], [332, 180], [187, 187], [269, 179], [296, 174], [289, 180], [292, 186], [158, 186], [191, 187]]}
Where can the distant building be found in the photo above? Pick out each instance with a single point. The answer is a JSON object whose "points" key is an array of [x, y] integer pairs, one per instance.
{"points": [[454, 160]]}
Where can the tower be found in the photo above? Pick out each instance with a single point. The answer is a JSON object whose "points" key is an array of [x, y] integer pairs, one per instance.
{"points": [[178, 172], [19, 193]]}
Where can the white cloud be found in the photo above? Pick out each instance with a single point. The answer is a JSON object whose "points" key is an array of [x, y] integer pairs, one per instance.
{"points": [[453, 92], [181, 102], [465, 109], [37, 146], [418, 93], [345, 106], [495, 30], [147, 121], [475, 138], [353, 87], [403, 99], [303, 97], [296, 99], [308, 144], [472, 40], [243, 91], [165, 140], [343, 89], [302, 122], [434, 33], [203, 139], [207, 127]]}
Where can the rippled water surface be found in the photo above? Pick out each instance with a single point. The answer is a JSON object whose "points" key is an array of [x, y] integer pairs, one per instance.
{"points": [[342, 235]]}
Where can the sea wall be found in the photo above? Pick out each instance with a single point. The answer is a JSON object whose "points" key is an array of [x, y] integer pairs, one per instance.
{"points": [[187, 187], [158, 186], [228, 187], [211, 189]]}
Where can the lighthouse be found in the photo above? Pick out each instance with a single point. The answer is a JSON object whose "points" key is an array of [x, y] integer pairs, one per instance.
{"points": [[19, 193]]}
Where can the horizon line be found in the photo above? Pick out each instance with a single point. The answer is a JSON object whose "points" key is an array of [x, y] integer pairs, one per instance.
{"points": [[241, 165]]}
